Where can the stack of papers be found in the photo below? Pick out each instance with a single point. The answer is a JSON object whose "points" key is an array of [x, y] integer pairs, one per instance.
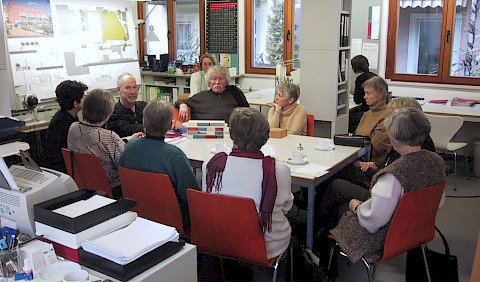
{"points": [[83, 206], [126, 245], [313, 170]]}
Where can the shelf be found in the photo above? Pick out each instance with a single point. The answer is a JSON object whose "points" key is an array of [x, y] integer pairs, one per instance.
{"points": [[342, 83], [342, 106], [344, 48], [340, 91]]}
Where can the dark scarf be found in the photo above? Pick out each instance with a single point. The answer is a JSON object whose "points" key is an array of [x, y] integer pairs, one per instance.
{"points": [[216, 166]]}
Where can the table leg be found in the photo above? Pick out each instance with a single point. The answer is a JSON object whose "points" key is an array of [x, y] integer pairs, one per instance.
{"points": [[310, 215]]}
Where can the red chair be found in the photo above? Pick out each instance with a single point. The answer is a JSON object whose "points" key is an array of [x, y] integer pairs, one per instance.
{"points": [[176, 115], [310, 125], [155, 196], [87, 171], [404, 233], [228, 227]]}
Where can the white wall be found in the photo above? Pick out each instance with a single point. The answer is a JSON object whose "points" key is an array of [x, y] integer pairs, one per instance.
{"points": [[6, 79]]}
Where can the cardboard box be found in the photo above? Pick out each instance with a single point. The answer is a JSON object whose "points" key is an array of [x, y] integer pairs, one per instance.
{"points": [[130, 270], [43, 212], [278, 132]]}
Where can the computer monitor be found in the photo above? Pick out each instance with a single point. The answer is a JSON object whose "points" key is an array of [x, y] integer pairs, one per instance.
{"points": [[22, 187]]}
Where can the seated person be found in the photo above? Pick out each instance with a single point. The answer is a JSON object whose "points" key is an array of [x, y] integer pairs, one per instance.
{"points": [[152, 154], [247, 173], [286, 112], [128, 113], [197, 80], [359, 67], [368, 169], [371, 124], [70, 96], [216, 103], [361, 230], [89, 137]]}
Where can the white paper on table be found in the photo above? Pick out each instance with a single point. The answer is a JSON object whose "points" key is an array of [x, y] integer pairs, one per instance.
{"points": [[313, 169], [268, 150], [84, 206]]}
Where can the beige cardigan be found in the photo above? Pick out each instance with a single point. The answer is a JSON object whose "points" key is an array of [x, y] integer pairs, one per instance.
{"points": [[293, 118]]}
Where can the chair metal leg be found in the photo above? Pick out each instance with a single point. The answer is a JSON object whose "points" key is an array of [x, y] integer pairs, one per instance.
{"points": [[426, 264], [371, 268], [455, 172], [222, 269], [291, 262], [466, 161]]}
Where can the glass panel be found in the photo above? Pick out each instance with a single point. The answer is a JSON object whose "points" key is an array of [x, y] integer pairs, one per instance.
{"points": [[418, 39], [268, 32], [297, 24], [465, 50], [157, 18], [187, 28]]}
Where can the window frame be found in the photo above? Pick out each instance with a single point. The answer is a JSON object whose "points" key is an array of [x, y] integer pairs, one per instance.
{"points": [[288, 35], [445, 53]]}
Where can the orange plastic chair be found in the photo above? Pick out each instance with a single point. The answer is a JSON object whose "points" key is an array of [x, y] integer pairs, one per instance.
{"points": [[87, 171], [214, 232], [310, 125], [404, 233], [176, 115], [155, 196]]}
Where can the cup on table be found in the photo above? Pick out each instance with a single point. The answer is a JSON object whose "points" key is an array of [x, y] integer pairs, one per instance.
{"points": [[220, 147], [297, 156], [76, 276], [323, 143]]}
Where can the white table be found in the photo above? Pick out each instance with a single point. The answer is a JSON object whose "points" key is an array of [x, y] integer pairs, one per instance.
{"points": [[181, 266], [261, 98], [471, 114], [199, 150]]}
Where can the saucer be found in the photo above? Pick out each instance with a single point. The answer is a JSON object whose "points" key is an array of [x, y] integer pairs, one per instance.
{"points": [[304, 161], [328, 148], [214, 151]]}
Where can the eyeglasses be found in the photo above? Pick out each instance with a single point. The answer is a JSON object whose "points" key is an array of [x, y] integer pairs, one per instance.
{"points": [[207, 64]]}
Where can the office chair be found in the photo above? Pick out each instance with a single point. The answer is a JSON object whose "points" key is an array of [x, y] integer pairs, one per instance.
{"points": [[405, 234], [443, 130], [155, 196], [310, 125], [87, 171], [215, 233]]}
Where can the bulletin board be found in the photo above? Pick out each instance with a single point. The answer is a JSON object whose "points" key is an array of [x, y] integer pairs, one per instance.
{"points": [[222, 26]]}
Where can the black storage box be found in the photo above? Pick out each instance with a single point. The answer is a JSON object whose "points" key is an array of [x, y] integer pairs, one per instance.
{"points": [[43, 212], [130, 270]]}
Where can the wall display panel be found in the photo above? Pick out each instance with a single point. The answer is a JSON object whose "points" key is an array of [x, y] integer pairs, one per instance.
{"points": [[222, 24], [86, 41]]}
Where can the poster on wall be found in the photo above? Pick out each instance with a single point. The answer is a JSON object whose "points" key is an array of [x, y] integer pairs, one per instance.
{"points": [[90, 42]]}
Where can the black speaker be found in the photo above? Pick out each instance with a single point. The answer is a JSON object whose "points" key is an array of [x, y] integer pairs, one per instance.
{"points": [[164, 59]]}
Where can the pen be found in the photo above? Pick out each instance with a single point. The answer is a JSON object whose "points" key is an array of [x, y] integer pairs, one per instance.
{"points": [[7, 240], [30, 240], [15, 239]]}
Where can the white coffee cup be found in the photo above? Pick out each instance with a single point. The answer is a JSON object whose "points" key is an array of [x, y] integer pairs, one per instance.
{"points": [[323, 143], [76, 276], [220, 147], [297, 156]]}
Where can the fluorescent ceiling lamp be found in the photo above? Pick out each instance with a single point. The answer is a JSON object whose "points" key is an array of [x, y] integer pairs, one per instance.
{"points": [[151, 36]]}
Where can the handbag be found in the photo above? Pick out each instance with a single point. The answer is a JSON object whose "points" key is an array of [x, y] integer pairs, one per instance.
{"points": [[311, 270], [442, 267], [351, 140]]}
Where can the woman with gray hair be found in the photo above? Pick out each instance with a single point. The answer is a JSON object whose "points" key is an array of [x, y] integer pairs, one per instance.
{"points": [[247, 173], [362, 229], [286, 112], [89, 137], [216, 103]]}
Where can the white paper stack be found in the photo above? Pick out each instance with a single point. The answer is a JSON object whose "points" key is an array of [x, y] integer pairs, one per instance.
{"points": [[127, 244]]}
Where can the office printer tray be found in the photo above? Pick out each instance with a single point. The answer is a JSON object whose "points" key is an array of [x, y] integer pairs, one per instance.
{"points": [[130, 270], [43, 212]]}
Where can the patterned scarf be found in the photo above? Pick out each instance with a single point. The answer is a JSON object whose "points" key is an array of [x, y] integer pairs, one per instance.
{"points": [[216, 166]]}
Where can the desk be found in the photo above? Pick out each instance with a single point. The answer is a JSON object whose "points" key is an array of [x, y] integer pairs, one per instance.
{"points": [[181, 266], [199, 150], [261, 98], [13, 148], [471, 114]]}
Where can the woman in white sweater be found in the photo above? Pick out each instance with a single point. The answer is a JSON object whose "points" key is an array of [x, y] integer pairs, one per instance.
{"points": [[247, 173], [197, 80]]}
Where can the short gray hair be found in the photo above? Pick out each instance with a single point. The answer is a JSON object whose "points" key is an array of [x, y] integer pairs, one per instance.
{"points": [[378, 84], [216, 70], [408, 126], [157, 117], [290, 90], [248, 128], [122, 77], [98, 106]]}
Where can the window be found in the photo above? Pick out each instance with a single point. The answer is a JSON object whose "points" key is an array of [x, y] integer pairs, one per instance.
{"points": [[185, 45], [434, 41], [269, 24]]}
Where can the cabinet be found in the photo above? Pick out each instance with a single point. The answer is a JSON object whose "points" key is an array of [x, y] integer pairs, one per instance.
{"points": [[325, 61]]}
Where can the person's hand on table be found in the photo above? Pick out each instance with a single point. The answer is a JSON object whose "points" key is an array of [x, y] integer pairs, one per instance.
{"points": [[176, 125], [183, 111], [364, 166]]}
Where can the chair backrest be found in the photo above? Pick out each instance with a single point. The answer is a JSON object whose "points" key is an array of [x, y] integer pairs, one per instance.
{"points": [[310, 125], [443, 129], [413, 222], [155, 196], [176, 115], [183, 96], [226, 226], [87, 171]]}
